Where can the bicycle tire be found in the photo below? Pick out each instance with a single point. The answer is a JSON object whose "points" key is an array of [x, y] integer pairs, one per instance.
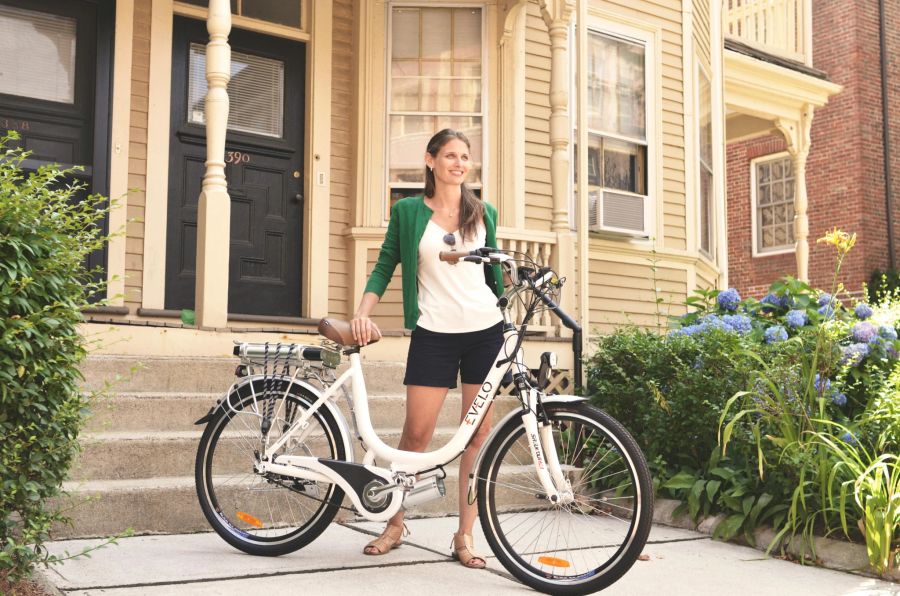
{"points": [[257, 514], [580, 547]]}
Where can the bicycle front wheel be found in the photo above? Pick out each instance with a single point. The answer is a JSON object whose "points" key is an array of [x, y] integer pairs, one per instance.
{"points": [[570, 548], [265, 514]]}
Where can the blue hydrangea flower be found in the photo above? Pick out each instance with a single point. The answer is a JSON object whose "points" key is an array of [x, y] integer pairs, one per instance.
{"points": [[740, 324], [729, 299], [864, 332], [839, 399], [854, 354], [863, 311], [888, 332], [824, 299], [770, 302], [822, 387], [827, 311], [796, 318], [848, 437], [775, 334]]}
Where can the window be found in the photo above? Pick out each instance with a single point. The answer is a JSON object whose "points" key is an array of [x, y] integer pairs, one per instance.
{"points": [[283, 12], [436, 82], [707, 191], [255, 92], [617, 134], [46, 70], [772, 181]]}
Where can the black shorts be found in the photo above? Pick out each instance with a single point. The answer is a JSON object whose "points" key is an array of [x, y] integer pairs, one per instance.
{"points": [[435, 359]]}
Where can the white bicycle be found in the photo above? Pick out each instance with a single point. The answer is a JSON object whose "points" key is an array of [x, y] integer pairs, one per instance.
{"points": [[564, 493]]}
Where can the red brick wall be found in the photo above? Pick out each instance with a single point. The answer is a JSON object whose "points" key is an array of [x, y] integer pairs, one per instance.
{"points": [[845, 169]]}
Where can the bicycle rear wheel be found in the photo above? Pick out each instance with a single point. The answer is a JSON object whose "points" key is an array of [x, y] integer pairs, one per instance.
{"points": [[579, 547], [265, 515]]}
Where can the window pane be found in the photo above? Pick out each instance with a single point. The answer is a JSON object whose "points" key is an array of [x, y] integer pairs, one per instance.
{"points": [[405, 38], [623, 166], [256, 92], [706, 211], [705, 119], [616, 87], [437, 95], [436, 43], [283, 12], [467, 34], [467, 95], [37, 55], [775, 204], [205, 4], [405, 95]]}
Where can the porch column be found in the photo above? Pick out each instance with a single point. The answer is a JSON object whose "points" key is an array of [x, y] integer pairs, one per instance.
{"points": [[214, 207], [556, 14], [797, 134]]}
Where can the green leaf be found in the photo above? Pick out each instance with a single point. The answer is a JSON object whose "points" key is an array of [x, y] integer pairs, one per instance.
{"points": [[680, 480], [712, 487], [729, 527]]}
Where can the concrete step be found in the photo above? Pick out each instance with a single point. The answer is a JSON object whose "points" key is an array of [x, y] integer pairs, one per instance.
{"points": [[158, 411], [169, 505], [127, 374]]}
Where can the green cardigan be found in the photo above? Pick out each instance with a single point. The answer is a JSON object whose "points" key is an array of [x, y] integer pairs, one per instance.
{"points": [[409, 217]]}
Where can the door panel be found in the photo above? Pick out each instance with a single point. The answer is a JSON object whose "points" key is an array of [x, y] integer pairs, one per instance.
{"points": [[262, 170]]}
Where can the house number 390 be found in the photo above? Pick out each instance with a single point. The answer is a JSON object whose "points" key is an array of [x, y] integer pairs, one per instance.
{"points": [[237, 157]]}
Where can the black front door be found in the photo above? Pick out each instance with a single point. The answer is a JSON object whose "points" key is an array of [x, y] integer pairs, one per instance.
{"points": [[263, 154], [54, 85]]}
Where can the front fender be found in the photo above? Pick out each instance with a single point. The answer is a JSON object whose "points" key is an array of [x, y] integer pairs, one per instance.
{"points": [[547, 399]]}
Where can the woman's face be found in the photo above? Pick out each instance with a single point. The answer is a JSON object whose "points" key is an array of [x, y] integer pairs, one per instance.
{"points": [[452, 163]]}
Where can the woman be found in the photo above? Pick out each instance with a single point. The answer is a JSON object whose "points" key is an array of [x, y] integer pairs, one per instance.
{"points": [[451, 309]]}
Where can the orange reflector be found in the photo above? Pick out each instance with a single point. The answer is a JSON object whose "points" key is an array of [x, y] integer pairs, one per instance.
{"points": [[253, 521], [553, 562]]}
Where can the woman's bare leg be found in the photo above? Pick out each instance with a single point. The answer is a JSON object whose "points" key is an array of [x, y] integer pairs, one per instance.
{"points": [[468, 513]]}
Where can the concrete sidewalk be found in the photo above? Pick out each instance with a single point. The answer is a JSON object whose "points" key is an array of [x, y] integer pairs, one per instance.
{"points": [[681, 562]]}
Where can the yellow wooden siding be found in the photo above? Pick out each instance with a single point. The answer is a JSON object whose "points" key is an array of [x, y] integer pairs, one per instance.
{"points": [[538, 195], [339, 302], [137, 160], [389, 312], [623, 293], [701, 31], [706, 275]]}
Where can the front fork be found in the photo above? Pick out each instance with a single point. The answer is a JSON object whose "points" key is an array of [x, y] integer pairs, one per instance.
{"points": [[543, 452]]}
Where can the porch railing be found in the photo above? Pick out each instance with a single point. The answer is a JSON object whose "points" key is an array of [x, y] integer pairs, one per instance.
{"points": [[780, 27], [540, 247]]}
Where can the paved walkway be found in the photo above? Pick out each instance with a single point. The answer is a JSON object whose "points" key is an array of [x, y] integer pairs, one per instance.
{"points": [[681, 563]]}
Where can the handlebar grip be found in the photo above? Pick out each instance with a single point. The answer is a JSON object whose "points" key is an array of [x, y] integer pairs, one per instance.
{"points": [[452, 256], [566, 320]]}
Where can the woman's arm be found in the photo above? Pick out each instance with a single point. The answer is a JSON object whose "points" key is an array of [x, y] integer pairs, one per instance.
{"points": [[364, 329]]}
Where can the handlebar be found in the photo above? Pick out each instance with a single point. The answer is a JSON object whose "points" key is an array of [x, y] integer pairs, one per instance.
{"points": [[533, 278]]}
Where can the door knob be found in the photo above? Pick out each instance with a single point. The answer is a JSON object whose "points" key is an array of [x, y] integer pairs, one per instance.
{"points": [[298, 197]]}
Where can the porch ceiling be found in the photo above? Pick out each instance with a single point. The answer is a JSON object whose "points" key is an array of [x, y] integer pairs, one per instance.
{"points": [[769, 92]]}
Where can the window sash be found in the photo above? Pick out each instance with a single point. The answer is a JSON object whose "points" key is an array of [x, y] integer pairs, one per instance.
{"points": [[706, 178], [433, 82], [774, 187]]}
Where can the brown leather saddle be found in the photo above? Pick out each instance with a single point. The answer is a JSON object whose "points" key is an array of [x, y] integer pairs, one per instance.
{"points": [[339, 332]]}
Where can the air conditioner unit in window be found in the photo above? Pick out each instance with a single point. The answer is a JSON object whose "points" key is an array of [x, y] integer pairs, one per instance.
{"points": [[618, 212]]}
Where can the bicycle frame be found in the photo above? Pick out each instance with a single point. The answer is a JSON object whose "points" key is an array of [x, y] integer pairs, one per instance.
{"points": [[369, 486]]}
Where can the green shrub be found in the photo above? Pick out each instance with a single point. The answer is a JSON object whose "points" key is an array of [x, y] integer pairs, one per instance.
{"points": [[47, 229], [882, 285]]}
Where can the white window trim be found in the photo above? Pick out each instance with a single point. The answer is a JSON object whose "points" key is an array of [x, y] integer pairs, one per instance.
{"points": [[603, 23], [754, 225], [710, 255], [485, 99]]}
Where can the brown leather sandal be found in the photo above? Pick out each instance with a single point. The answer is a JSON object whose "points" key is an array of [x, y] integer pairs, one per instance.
{"points": [[462, 552], [391, 538]]}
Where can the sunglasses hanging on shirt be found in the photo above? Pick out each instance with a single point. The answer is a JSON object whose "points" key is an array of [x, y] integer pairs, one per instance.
{"points": [[450, 240]]}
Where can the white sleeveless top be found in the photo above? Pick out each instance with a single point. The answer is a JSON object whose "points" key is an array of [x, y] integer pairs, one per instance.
{"points": [[453, 298]]}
